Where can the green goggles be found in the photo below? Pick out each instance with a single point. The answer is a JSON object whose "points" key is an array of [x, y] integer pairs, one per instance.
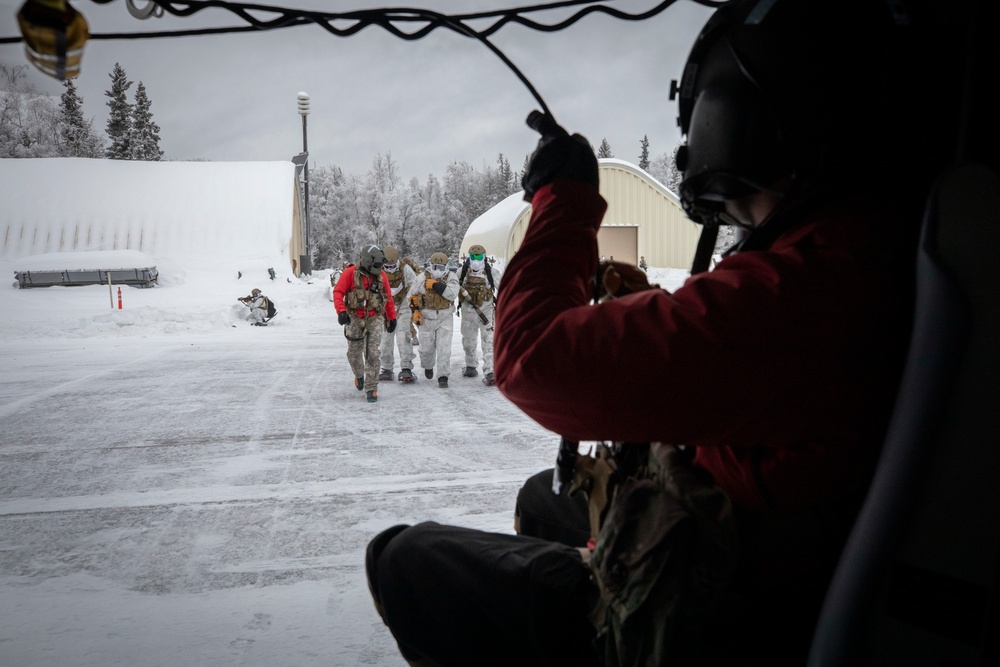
{"points": [[476, 255]]}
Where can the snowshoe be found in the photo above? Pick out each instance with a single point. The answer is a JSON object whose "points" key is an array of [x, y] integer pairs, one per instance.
{"points": [[406, 375]]}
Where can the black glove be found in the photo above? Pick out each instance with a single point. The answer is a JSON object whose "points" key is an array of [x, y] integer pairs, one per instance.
{"points": [[558, 156], [439, 287], [343, 317], [392, 326]]}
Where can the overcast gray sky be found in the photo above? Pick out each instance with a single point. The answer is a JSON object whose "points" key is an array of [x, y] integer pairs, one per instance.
{"points": [[428, 102]]}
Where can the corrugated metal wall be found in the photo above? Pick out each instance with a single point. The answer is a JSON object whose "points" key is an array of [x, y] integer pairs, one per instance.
{"points": [[666, 237]]}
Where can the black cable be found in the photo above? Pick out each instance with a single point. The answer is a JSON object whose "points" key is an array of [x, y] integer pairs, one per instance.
{"points": [[386, 18]]}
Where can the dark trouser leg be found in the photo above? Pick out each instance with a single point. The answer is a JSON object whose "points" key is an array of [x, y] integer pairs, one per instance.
{"points": [[545, 515], [456, 596]]}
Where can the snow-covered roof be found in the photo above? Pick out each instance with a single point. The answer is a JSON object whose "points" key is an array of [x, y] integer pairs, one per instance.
{"points": [[204, 211], [492, 229]]}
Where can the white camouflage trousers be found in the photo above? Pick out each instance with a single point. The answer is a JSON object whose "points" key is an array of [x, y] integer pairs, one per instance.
{"points": [[474, 332], [435, 340], [257, 315], [400, 338]]}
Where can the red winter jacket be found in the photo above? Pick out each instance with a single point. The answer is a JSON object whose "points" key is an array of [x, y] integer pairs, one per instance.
{"points": [[346, 283], [780, 365]]}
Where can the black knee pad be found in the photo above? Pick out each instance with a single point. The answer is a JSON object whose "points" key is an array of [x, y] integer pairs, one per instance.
{"points": [[375, 549]]}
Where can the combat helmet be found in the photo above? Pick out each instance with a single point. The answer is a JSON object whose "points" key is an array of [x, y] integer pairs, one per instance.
{"points": [[371, 260], [780, 89]]}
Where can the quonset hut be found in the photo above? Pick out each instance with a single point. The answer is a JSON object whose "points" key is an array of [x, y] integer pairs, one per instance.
{"points": [[644, 219]]}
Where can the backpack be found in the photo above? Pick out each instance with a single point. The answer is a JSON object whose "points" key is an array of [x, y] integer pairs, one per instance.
{"points": [[271, 310]]}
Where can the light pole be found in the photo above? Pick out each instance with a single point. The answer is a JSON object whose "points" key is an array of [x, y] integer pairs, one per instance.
{"points": [[305, 261]]}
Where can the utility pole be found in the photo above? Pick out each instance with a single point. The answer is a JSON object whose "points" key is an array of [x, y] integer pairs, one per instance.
{"points": [[305, 260]]}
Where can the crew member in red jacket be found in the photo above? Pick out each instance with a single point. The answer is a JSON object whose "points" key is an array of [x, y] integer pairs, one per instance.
{"points": [[363, 300], [779, 367]]}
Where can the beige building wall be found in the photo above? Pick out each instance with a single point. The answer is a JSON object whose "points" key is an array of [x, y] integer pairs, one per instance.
{"points": [[663, 233]]}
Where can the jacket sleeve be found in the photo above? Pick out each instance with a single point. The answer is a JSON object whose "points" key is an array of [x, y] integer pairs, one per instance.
{"points": [[411, 281], [390, 305], [760, 332], [344, 284], [451, 287]]}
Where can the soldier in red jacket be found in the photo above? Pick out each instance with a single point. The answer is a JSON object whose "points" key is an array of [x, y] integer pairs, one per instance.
{"points": [[363, 300], [777, 369]]}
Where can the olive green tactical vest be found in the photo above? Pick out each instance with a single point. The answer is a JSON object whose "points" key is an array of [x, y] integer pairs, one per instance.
{"points": [[478, 289], [431, 300], [366, 299]]}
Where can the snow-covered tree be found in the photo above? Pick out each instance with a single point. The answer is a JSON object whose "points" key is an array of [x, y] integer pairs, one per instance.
{"points": [[119, 126], [145, 139], [410, 223], [605, 149], [76, 134], [331, 217], [664, 169], [29, 120], [378, 201], [644, 153], [505, 183]]}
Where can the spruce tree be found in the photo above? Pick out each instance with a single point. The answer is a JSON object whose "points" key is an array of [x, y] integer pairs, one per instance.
{"points": [[644, 154], [145, 140], [119, 127], [76, 134], [605, 149]]}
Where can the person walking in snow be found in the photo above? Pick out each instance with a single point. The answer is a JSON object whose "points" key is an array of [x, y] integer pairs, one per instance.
{"points": [[363, 299], [433, 309], [403, 283], [258, 305], [478, 283]]}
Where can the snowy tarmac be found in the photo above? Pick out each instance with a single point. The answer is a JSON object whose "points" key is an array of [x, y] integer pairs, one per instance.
{"points": [[177, 490]]}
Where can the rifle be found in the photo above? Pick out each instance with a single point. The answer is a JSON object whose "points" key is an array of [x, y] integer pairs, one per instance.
{"points": [[482, 316]]}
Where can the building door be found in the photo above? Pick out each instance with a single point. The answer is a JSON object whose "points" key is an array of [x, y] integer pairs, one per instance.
{"points": [[622, 243]]}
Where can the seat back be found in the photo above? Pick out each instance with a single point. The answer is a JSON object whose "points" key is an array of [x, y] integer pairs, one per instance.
{"points": [[917, 582]]}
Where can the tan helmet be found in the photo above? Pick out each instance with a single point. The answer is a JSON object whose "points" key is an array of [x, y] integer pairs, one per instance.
{"points": [[477, 250], [439, 258], [391, 253], [255, 291]]}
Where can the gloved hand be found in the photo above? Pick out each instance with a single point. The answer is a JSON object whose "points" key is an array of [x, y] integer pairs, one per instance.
{"points": [[415, 302], [343, 317], [616, 279], [559, 156], [417, 318], [392, 326], [436, 285]]}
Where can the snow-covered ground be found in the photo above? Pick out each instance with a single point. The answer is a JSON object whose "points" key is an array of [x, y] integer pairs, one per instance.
{"points": [[180, 488]]}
